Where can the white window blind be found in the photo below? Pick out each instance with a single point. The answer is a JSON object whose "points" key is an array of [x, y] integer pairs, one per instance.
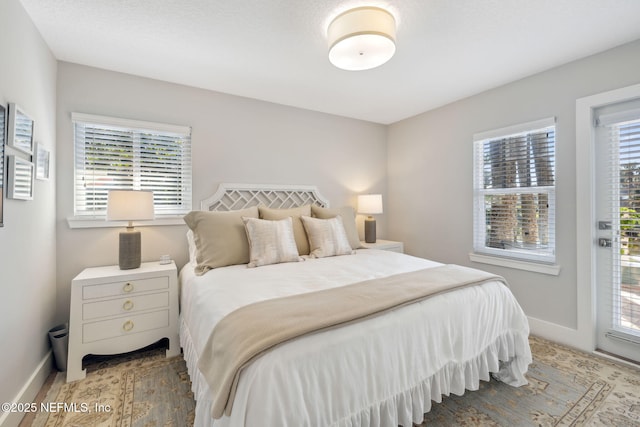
{"points": [[120, 154], [620, 130], [514, 192]]}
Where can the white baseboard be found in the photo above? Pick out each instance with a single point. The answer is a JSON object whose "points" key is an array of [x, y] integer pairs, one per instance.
{"points": [[29, 391], [628, 363], [558, 333]]}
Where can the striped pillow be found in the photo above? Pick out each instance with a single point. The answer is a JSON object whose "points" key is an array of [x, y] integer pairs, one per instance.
{"points": [[327, 237], [270, 242]]}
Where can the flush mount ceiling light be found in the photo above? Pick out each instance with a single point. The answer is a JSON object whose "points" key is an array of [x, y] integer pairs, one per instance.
{"points": [[362, 38]]}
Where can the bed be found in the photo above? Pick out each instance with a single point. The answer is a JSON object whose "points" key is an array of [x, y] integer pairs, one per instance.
{"points": [[383, 370]]}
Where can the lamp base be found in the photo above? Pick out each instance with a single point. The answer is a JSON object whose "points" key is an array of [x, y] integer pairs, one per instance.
{"points": [[370, 230], [130, 248]]}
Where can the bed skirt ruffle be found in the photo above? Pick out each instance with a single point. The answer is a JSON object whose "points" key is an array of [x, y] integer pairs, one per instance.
{"points": [[507, 359], [199, 385]]}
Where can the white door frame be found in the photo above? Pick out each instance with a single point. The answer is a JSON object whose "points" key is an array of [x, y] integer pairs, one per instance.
{"points": [[585, 210]]}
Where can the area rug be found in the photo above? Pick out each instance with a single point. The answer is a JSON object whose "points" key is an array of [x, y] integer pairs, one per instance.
{"points": [[139, 389], [566, 388]]}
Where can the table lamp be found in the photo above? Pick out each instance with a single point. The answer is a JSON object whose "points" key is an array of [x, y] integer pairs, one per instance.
{"points": [[370, 204], [129, 205]]}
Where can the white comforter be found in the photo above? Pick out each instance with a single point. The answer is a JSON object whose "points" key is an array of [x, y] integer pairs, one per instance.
{"points": [[382, 372]]}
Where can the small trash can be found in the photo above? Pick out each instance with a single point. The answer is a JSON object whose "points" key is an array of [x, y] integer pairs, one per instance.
{"points": [[59, 337]]}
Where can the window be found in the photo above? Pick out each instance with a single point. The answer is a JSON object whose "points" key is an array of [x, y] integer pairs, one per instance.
{"points": [[119, 154], [514, 192]]}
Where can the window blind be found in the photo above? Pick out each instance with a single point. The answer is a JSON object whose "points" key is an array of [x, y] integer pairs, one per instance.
{"points": [[120, 154], [514, 192], [621, 132]]}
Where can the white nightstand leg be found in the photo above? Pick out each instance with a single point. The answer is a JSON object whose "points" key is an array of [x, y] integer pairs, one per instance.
{"points": [[74, 369], [174, 346]]}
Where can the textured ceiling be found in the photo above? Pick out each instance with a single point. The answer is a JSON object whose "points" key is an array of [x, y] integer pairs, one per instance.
{"points": [[276, 50]]}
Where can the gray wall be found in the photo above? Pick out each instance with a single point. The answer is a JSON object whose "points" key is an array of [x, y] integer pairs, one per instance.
{"points": [[430, 180], [234, 139], [27, 240]]}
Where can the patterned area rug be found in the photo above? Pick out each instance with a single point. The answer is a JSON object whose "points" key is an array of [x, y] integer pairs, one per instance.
{"points": [[143, 389], [566, 388]]}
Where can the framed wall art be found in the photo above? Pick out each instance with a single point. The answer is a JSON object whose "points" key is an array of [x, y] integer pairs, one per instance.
{"points": [[20, 131], [20, 178], [41, 161], [3, 139]]}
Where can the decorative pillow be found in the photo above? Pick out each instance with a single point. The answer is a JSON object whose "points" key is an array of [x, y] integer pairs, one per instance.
{"points": [[219, 237], [327, 237], [348, 220], [270, 241], [298, 230]]}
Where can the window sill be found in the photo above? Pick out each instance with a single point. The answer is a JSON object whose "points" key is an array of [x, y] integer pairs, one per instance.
{"points": [[76, 222], [550, 269]]}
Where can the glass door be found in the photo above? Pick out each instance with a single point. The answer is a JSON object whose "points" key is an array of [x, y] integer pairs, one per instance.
{"points": [[618, 255]]}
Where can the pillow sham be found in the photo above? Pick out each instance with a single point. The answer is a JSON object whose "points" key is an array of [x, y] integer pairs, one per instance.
{"points": [[348, 220], [270, 241], [327, 237], [298, 229], [219, 237]]}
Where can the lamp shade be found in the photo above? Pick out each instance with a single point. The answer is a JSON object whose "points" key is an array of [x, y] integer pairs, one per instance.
{"points": [[129, 205], [361, 38], [370, 204]]}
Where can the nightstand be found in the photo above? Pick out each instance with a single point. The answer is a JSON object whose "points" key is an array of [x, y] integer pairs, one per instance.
{"points": [[115, 311], [385, 245]]}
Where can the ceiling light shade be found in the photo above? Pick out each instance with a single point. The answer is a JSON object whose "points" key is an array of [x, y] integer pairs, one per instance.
{"points": [[362, 38]]}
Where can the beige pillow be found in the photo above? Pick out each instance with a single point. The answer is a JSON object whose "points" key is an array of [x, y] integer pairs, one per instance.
{"points": [[270, 241], [348, 220], [298, 230], [219, 237], [327, 237]]}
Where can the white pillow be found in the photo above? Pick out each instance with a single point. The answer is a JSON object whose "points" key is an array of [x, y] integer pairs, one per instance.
{"points": [[193, 250], [270, 241], [327, 237]]}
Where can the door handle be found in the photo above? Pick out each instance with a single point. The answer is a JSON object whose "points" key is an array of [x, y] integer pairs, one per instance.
{"points": [[604, 225]]}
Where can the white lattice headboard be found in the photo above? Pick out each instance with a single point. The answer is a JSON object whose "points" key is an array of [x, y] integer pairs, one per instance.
{"points": [[239, 196]]}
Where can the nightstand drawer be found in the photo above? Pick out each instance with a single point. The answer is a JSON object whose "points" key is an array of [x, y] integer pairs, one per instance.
{"points": [[120, 306], [124, 326], [124, 287]]}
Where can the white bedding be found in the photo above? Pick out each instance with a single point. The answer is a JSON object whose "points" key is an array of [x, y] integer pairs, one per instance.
{"points": [[382, 372]]}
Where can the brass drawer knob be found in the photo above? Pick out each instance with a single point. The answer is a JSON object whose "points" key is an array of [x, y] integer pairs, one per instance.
{"points": [[127, 326], [128, 287], [128, 305]]}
